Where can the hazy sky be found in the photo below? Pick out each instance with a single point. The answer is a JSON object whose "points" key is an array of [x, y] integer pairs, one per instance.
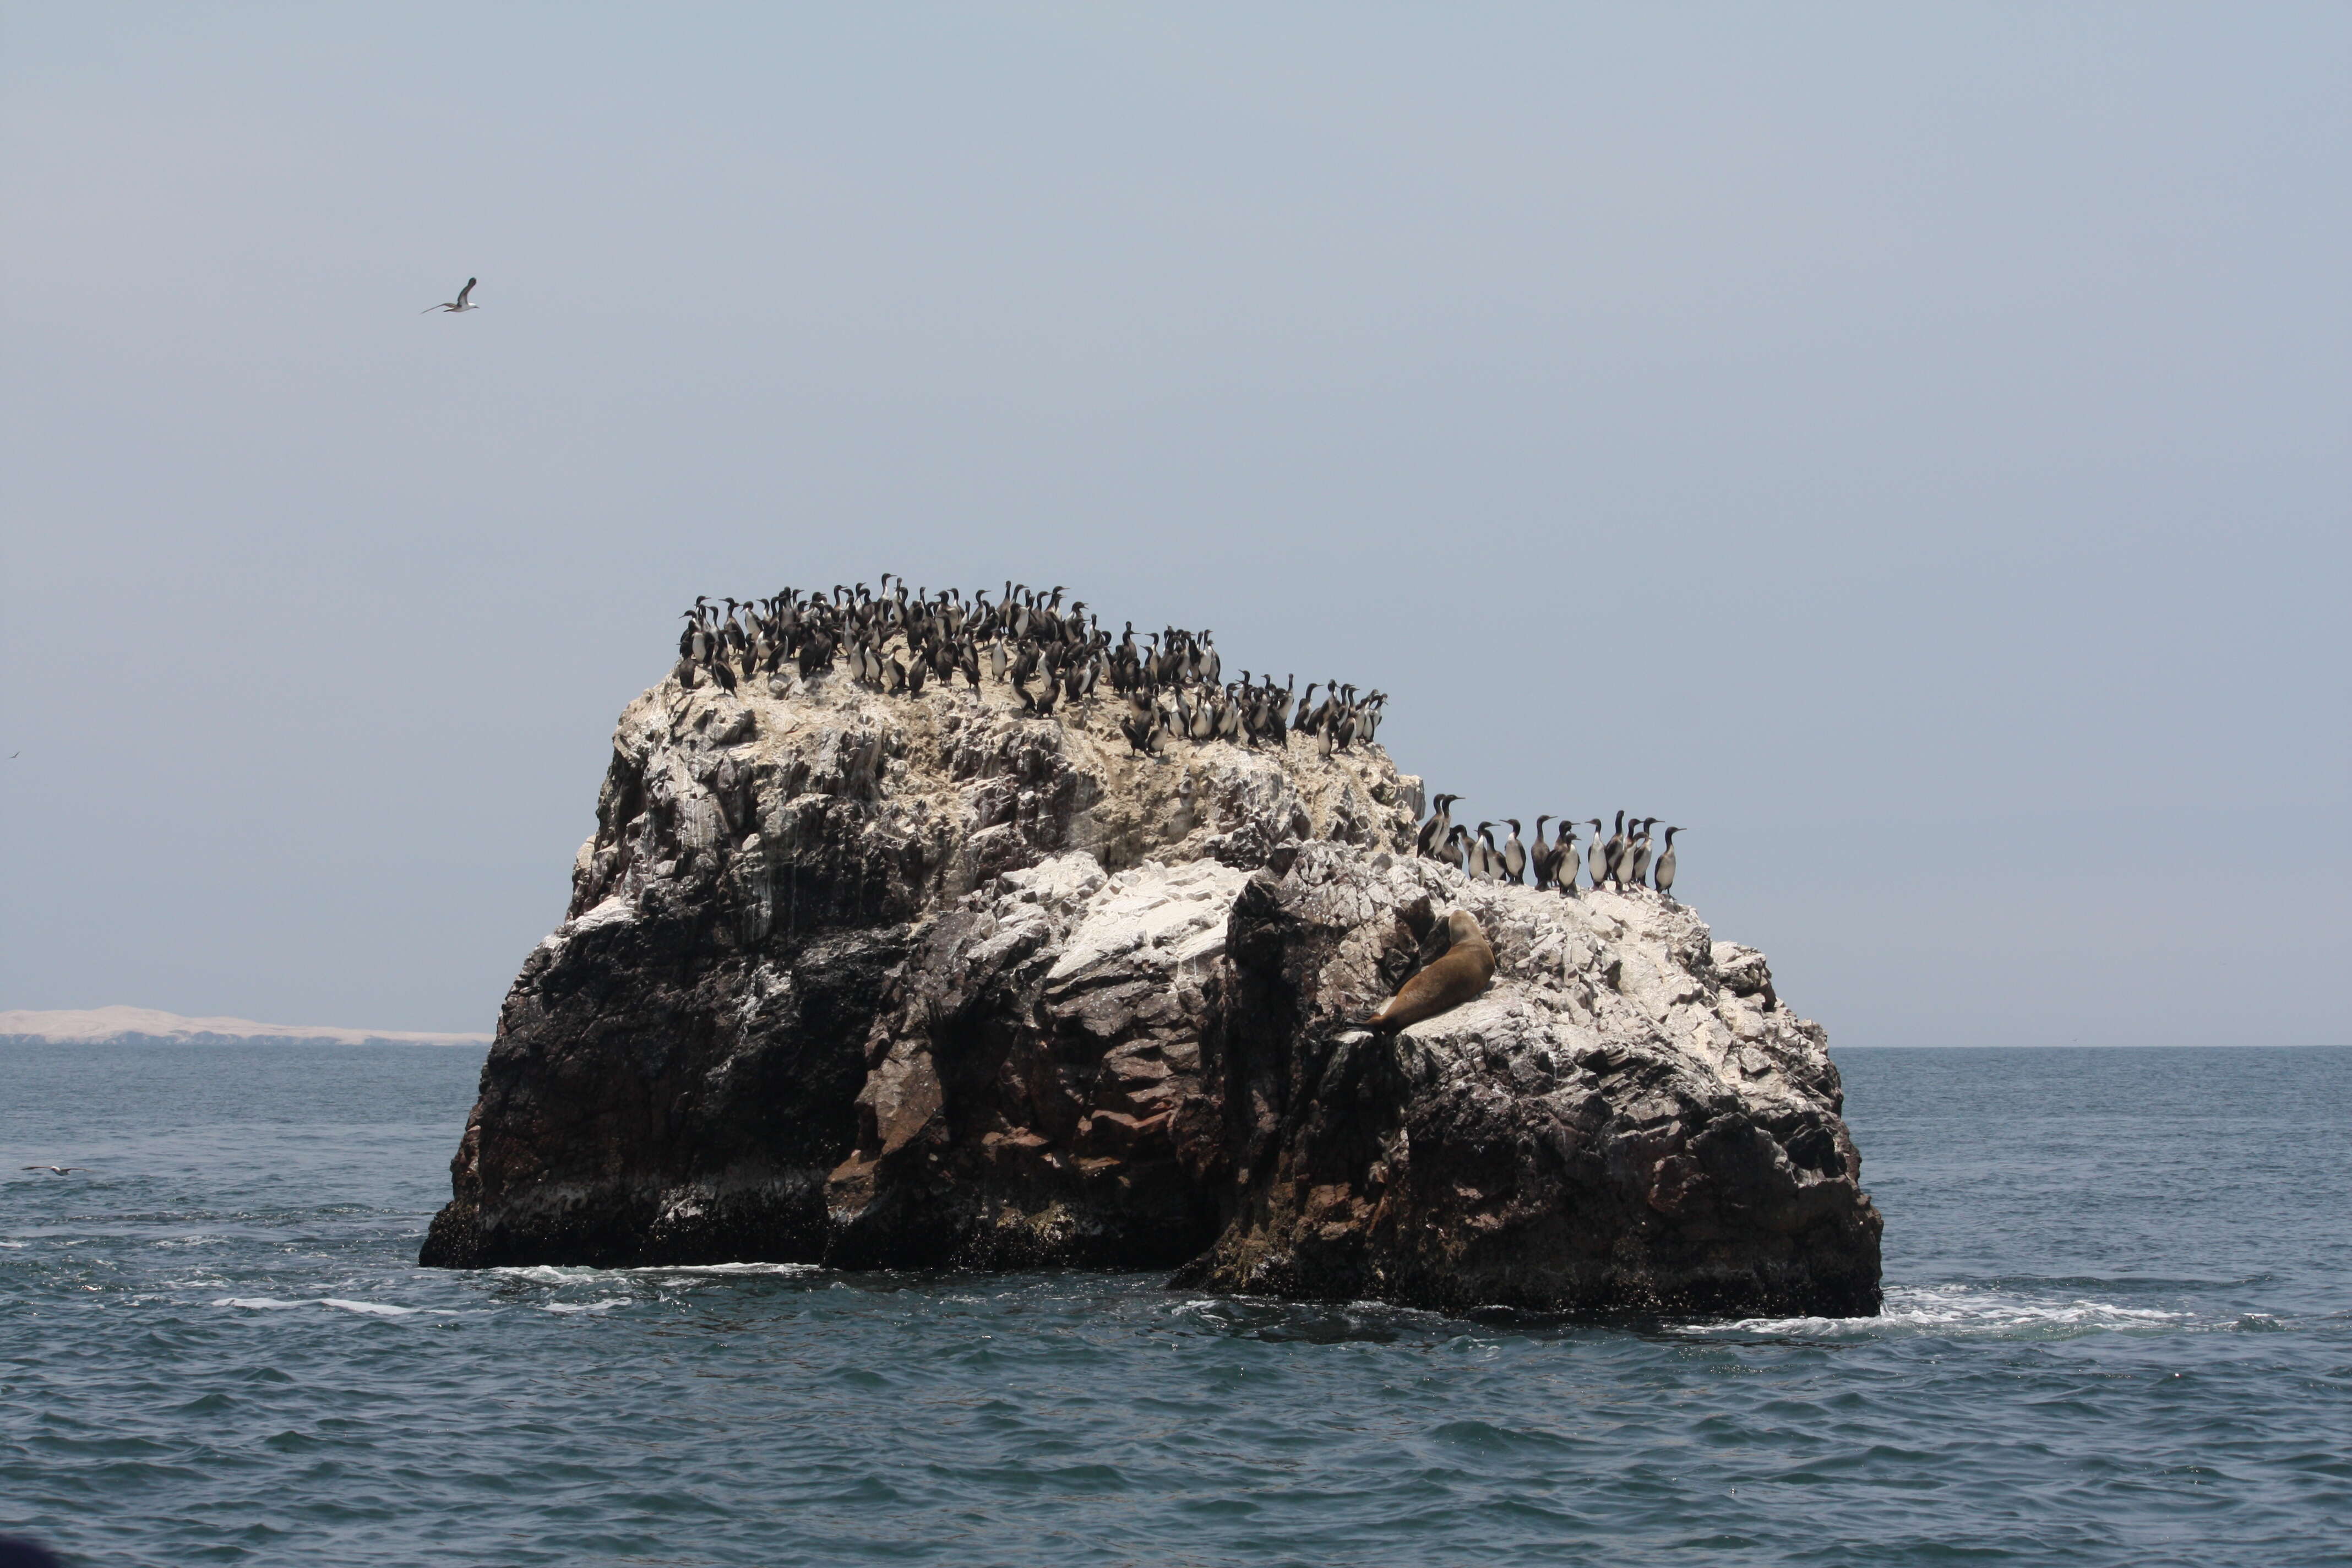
{"points": [[1911, 450]]}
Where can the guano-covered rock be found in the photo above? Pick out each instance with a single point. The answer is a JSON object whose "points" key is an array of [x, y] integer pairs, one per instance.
{"points": [[918, 982]]}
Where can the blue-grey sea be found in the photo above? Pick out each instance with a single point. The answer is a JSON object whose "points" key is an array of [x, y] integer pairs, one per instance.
{"points": [[2118, 1330]]}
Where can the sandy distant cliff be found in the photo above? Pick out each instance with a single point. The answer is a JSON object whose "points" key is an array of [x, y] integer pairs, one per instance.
{"points": [[120, 1025], [893, 980]]}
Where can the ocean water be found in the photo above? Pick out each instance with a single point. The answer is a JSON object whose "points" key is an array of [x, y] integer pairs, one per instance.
{"points": [[2118, 1330]]}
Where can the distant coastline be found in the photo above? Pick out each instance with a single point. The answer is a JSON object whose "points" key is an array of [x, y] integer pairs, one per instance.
{"points": [[144, 1025]]}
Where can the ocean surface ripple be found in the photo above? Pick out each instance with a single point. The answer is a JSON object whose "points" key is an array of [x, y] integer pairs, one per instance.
{"points": [[2118, 1330]]}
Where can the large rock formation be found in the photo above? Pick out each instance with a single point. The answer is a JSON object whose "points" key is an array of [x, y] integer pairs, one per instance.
{"points": [[897, 982]]}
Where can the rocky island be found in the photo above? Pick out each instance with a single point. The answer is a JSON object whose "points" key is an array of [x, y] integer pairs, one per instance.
{"points": [[874, 977]]}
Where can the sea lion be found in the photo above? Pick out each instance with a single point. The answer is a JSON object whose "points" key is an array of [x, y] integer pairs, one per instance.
{"points": [[1465, 971]]}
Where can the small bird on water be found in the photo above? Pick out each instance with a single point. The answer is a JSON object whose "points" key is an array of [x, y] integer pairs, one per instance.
{"points": [[456, 304]]}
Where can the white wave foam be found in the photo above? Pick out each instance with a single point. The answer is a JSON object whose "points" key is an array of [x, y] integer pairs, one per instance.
{"points": [[606, 1305], [725, 1268], [370, 1308], [574, 1274], [365, 1309], [1971, 1311], [549, 1272]]}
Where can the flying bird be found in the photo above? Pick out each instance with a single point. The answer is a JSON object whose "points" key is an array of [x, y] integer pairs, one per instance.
{"points": [[59, 1170], [456, 304]]}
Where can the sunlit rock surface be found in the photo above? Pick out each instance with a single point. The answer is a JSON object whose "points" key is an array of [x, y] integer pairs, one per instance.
{"points": [[917, 982]]}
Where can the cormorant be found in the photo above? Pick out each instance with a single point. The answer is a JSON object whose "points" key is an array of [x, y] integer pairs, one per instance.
{"points": [[1664, 874]]}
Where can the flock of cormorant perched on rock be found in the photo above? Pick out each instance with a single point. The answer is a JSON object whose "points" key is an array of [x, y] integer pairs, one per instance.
{"points": [[897, 640], [1621, 860], [1170, 690]]}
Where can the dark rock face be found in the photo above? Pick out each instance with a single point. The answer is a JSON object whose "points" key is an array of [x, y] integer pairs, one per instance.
{"points": [[921, 983]]}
